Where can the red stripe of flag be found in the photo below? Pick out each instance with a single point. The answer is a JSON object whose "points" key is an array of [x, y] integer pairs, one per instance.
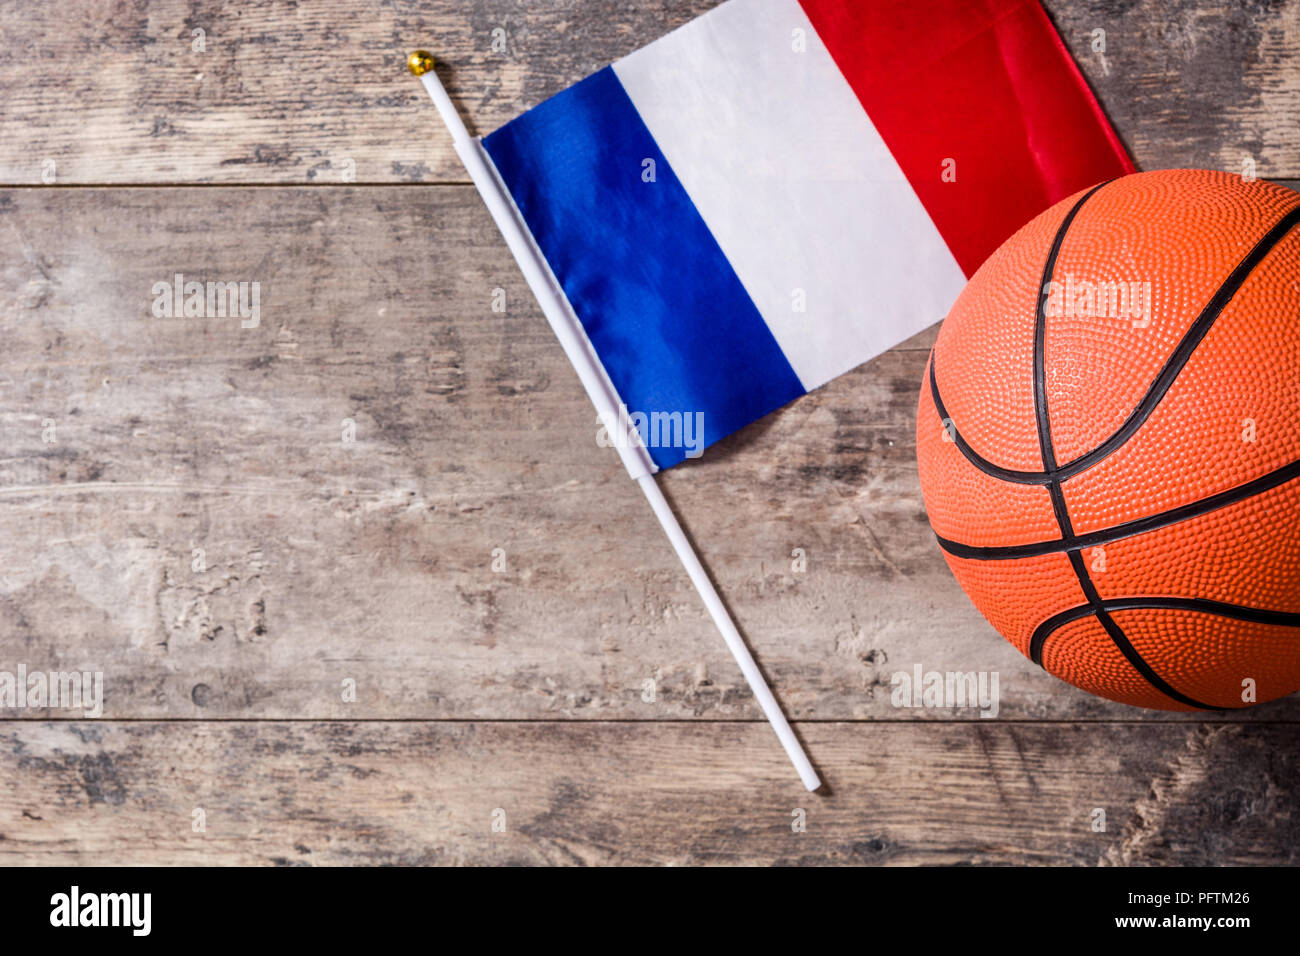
{"points": [[985, 83]]}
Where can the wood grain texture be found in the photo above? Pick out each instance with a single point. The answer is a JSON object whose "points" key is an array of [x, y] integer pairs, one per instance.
{"points": [[988, 792], [289, 92], [372, 561]]}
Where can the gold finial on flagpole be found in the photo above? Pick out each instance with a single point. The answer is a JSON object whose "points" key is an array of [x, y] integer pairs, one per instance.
{"points": [[420, 62]]}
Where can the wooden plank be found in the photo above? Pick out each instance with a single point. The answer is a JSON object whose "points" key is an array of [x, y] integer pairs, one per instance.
{"points": [[372, 562], [314, 93], [572, 792]]}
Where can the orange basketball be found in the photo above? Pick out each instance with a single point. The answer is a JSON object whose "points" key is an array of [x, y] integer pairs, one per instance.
{"points": [[1108, 439]]}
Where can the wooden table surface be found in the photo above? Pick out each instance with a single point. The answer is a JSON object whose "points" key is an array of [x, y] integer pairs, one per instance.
{"points": [[499, 715]]}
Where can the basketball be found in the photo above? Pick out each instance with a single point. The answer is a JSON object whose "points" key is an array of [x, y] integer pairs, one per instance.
{"points": [[1108, 440]]}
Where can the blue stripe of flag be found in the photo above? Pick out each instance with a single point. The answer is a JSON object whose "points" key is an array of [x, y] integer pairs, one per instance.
{"points": [[665, 311]]}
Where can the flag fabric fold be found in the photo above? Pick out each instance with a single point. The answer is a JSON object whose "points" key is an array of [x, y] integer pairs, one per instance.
{"points": [[779, 190]]}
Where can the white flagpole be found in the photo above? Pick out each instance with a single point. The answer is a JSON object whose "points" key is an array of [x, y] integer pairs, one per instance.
{"points": [[568, 330]]}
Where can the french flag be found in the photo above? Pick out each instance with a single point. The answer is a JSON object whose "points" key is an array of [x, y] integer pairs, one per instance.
{"points": [[770, 196], [782, 189]]}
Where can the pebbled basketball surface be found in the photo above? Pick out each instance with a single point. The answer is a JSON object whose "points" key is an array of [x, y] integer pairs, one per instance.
{"points": [[1108, 440]]}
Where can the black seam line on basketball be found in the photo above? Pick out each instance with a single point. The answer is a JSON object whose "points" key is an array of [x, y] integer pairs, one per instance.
{"points": [[974, 457], [1040, 336], [1162, 519], [1040, 392], [1163, 381], [1121, 641], [1043, 421], [1236, 612]]}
